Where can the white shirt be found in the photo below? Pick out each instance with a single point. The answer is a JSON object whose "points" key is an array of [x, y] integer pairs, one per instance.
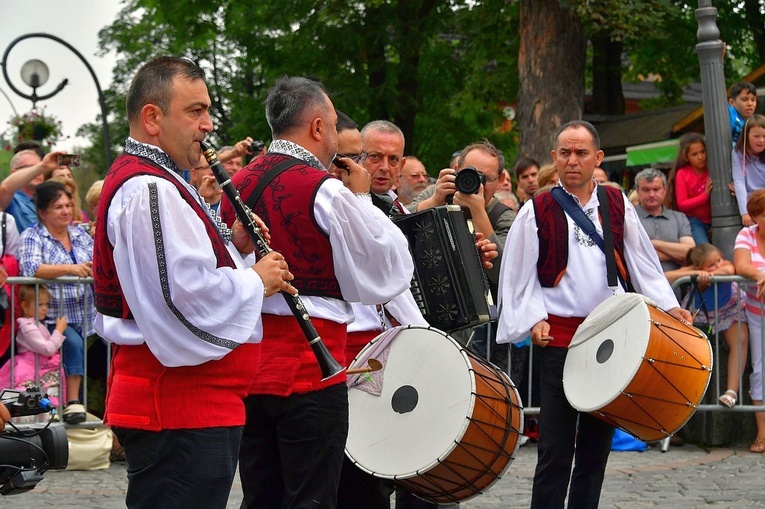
{"points": [[522, 300], [12, 237], [370, 255], [206, 305], [402, 307]]}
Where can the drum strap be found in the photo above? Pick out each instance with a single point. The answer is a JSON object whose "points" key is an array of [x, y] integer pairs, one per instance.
{"points": [[580, 218], [703, 307]]}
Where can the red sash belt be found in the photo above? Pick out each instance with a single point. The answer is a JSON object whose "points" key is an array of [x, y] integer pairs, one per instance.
{"points": [[563, 329]]}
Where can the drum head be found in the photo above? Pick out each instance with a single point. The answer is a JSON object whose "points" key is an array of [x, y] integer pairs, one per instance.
{"points": [[422, 412], [606, 352]]}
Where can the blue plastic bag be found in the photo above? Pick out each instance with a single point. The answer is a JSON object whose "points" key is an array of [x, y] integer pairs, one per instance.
{"points": [[625, 442]]}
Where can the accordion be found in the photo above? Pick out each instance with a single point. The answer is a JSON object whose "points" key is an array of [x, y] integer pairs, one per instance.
{"points": [[449, 284]]}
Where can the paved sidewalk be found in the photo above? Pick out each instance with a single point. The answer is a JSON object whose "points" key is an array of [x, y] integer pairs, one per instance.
{"points": [[683, 477]]}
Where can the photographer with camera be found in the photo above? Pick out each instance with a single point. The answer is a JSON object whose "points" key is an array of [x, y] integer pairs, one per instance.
{"points": [[232, 157], [472, 184], [17, 190]]}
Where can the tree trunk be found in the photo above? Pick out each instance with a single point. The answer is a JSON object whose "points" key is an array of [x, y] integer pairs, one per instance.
{"points": [[607, 97], [551, 73], [754, 17], [375, 39], [411, 30]]}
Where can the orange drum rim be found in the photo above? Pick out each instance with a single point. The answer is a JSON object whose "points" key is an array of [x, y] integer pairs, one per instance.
{"points": [[673, 368], [489, 390]]}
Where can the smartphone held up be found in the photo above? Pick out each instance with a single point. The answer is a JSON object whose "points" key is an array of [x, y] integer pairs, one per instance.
{"points": [[69, 160]]}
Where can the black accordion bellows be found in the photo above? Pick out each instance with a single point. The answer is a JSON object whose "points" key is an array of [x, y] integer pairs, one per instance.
{"points": [[449, 284]]}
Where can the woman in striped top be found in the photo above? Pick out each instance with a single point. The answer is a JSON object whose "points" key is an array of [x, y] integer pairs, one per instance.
{"points": [[749, 262]]}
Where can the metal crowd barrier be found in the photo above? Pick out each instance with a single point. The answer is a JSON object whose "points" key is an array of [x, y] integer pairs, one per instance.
{"points": [[87, 303], [717, 384]]}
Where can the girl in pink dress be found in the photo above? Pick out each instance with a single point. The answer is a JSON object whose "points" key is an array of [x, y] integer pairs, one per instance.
{"points": [[689, 186], [35, 343]]}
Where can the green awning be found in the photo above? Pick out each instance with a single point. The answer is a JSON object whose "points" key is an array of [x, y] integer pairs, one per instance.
{"points": [[650, 153]]}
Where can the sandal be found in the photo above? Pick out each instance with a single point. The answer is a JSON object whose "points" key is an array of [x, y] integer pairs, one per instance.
{"points": [[728, 399], [758, 445]]}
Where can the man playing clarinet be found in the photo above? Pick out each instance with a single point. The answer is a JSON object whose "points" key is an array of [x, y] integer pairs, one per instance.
{"points": [[176, 301], [341, 249]]}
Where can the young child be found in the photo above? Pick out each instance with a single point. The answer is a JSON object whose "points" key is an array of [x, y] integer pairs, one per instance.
{"points": [[748, 164], [741, 106], [33, 339], [689, 186], [726, 316]]}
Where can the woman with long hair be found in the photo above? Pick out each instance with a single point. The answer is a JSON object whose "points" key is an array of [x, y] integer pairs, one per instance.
{"points": [[689, 186], [749, 164]]}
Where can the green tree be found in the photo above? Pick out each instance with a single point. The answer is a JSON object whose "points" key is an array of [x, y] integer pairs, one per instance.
{"points": [[437, 68]]}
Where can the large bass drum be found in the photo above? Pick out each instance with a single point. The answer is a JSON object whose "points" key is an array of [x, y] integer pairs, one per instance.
{"points": [[637, 368], [437, 419]]}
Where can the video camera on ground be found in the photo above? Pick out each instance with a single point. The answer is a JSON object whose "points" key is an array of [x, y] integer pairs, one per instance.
{"points": [[26, 454]]}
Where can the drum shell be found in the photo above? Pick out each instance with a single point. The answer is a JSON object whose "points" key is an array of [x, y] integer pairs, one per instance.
{"points": [[476, 459], [670, 381]]}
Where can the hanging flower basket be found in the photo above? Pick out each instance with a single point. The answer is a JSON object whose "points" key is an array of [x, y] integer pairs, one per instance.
{"points": [[36, 126]]}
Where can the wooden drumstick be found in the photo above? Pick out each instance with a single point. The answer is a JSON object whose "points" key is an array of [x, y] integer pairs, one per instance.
{"points": [[373, 365]]}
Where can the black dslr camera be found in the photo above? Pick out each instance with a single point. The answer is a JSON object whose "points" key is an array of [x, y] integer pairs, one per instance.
{"points": [[469, 180], [256, 146], [27, 454]]}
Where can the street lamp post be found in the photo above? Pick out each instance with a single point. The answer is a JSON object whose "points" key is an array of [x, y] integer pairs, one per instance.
{"points": [[726, 221], [32, 74]]}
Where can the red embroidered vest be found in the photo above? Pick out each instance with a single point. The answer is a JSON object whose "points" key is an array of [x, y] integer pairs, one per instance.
{"points": [[110, 300], [141, 392], [552, 230], [286, 206]]}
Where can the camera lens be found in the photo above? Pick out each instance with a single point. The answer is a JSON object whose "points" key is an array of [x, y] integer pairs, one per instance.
{"points": [[468, 180]]}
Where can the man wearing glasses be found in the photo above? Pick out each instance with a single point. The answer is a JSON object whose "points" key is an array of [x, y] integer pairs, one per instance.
{"points": [[17, 191], [383, 143], [490, 217], [412, 181]]}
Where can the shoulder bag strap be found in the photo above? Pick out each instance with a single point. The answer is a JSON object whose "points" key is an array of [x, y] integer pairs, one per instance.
{"points": [[577, 214], [608, 236], [496, 211], [580, 218]]}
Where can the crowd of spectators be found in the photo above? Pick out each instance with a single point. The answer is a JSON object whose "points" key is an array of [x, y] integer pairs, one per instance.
{"points": [[48, 231]]}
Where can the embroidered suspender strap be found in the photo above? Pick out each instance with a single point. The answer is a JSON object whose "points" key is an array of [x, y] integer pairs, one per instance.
{"points": [[268, 177], [580, 218], [608, 236]]}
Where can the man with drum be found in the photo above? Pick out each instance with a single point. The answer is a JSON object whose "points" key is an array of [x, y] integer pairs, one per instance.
{"points": [[553, 275]]}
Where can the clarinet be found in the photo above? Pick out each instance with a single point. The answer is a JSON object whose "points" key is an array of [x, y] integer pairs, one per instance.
{"points": [[328, 365]]}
